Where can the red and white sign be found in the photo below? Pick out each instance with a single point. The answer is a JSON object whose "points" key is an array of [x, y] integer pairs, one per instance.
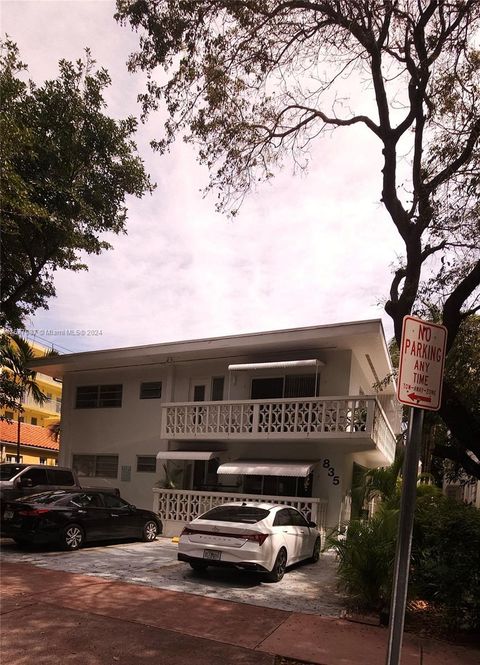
{"points": [[422, 359]]}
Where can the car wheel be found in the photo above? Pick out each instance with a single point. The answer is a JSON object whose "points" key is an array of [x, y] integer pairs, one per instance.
{"points": [[73, 537], [198, 566], [150, 531], [278, 570], [316, 551]]}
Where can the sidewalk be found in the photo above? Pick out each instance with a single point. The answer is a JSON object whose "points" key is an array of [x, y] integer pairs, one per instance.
{"points": [[59, 617]]}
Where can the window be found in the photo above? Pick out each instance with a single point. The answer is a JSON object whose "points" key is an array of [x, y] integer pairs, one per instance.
{"points": [[218, 383], [270, 388], [281, 518], [60, 477], [146, 463], [244, 514], [37, 476], [205, 474], [22, 419], [301, 385], [278, 485], [199, 393], [292, 385], [99, 466], [12, 459], [112, 501], [9, 415], [42, 460], [34, 422], [98, 397], [296, 518], [151, 390], [85, 501]]}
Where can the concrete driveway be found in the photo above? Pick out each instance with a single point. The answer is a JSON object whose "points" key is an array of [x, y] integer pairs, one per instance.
{"points": [[308, 588]]}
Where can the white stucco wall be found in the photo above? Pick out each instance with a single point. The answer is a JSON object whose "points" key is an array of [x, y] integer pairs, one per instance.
{"points": [[134, 429]]}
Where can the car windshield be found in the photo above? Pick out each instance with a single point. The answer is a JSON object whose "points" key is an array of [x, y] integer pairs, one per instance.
{"points": [[46, 497], [9, 471], [245, 514]]}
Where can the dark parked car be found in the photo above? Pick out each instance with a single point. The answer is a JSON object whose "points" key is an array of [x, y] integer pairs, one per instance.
{"points": [[71, 518]]}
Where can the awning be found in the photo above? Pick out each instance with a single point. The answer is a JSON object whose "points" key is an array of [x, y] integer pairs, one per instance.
{"points": [[187, 454], [265, 468], [283, 364]]}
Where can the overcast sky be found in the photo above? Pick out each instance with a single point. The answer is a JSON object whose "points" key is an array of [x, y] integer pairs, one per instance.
{"points": [[305, 250]]}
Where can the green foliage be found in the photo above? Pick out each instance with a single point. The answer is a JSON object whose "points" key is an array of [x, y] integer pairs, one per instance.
{"points": [[445, 566], [251, 83], [17, 379], [66, 170], [446, 559], [365, 560], [380, 483]]}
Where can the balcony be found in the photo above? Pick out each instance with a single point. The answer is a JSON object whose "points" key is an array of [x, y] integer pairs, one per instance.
{"points": [[51, 405], [358, 419]]}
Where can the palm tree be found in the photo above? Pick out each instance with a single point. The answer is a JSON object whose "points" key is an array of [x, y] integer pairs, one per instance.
{"points": [[17, 354]]}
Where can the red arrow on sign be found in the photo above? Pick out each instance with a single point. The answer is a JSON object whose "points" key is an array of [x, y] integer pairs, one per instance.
{"points": [[419, 398]]}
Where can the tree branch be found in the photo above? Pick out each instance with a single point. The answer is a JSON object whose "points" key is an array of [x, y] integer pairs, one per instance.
{"points": [[452, 316]]}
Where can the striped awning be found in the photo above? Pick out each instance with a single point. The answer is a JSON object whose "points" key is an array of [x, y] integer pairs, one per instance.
{"points": [[282, 364], [266, 468]]}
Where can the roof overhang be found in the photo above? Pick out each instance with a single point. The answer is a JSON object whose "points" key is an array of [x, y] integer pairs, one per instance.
{"points": [[363, 338], [266, 468]]}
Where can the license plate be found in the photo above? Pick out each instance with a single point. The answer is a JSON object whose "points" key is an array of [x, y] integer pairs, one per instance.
{"points": [[8, 514], [213, 555]]}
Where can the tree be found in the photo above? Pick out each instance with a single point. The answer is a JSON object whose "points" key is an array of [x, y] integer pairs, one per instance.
{"points": [[252, 81], [462, 371], [17, 354], [66, 170]]}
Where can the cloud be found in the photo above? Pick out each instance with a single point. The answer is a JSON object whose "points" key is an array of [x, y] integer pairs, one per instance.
{"points": [[314, 248]]}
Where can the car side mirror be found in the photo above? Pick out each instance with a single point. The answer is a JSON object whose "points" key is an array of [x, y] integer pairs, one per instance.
{"points": [[132, 507], [25, 482], [312, 525]]}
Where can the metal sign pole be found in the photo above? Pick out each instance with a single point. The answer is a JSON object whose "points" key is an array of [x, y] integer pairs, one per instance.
{"points": [[404, 541]]}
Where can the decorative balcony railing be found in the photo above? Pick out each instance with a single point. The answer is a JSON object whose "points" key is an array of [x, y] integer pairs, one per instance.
{"points": [[317, 417], [186, 505]]}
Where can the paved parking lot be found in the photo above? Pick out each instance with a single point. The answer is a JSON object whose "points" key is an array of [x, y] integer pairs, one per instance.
{"points": [[306, 588]]}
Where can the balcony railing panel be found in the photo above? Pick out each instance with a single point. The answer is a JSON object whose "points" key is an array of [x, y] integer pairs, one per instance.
{"points": [[186, 505], [329, 417]]}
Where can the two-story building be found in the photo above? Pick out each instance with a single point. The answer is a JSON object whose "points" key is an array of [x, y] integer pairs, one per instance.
{"points": [[279, 416]]}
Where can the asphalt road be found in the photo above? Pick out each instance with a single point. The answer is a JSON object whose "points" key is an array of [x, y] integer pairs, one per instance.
{"points": [[308, 588]]}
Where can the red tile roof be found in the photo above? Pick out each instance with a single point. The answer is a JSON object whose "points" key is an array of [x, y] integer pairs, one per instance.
{"points": [[30, 435]]}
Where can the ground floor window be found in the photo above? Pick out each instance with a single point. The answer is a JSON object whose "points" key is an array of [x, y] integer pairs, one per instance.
{"points": [[146, 463], [100, 466], [205, 476], [13, 459], [278, 485]]}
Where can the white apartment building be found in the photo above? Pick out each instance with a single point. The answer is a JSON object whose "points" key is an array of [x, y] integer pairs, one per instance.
{"points": [[280, 416]]}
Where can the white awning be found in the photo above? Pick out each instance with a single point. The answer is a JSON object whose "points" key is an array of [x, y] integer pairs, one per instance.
{"points": [[284, 364], [187, 454], [265, 468]]}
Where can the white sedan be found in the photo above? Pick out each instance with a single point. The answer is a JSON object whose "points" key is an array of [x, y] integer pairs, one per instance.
{"points": [[264, 537]]}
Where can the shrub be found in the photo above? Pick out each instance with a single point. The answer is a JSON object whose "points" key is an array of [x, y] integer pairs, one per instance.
{"points": [[446, 558], [365, 560]]}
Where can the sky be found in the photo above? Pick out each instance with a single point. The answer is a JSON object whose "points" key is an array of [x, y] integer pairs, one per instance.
{"points": [[306, 249]]}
